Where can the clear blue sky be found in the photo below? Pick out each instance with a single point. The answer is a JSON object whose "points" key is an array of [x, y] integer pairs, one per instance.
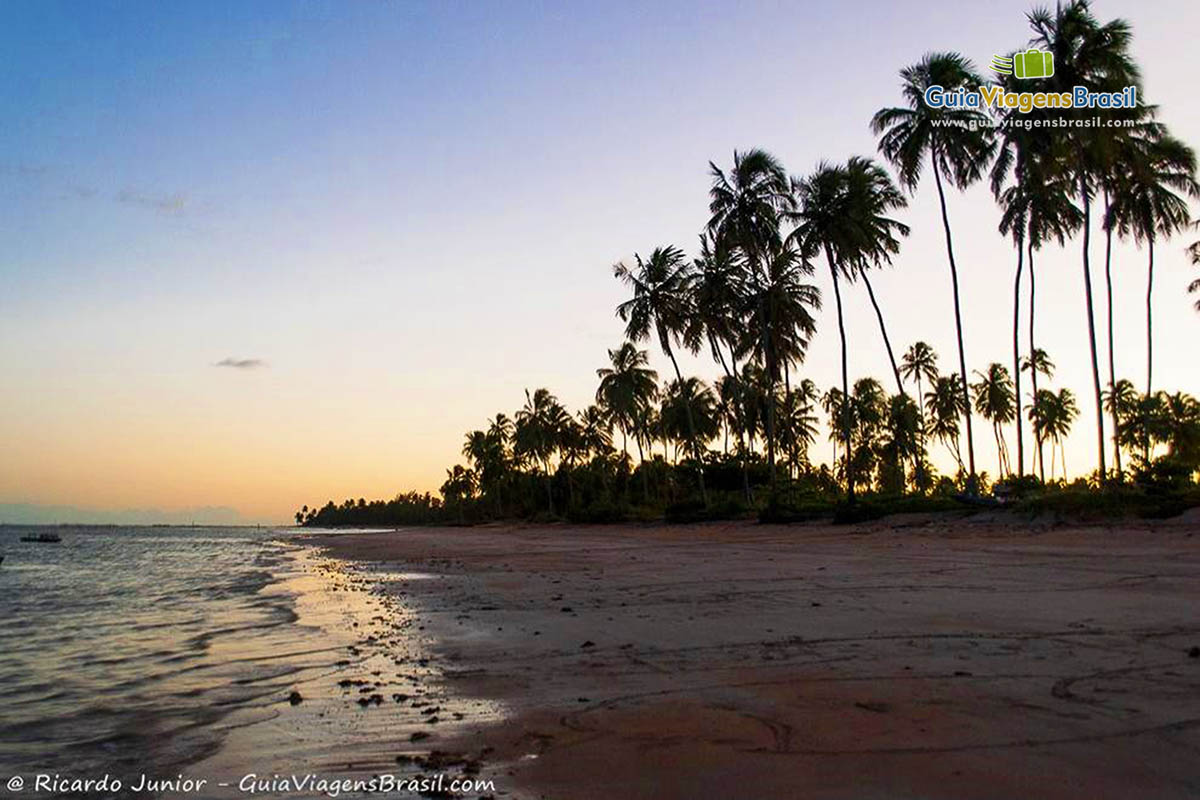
{"points": [[408, 213]]}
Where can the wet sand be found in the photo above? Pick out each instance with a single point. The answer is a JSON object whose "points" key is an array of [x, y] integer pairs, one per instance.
{"points": [[909, 658]]}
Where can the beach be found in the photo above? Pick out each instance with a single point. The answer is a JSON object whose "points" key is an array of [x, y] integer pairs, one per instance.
{"points": [[926, 656]]}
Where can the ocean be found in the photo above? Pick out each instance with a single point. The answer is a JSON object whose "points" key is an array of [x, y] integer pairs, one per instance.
{"points": [[123, 649]]}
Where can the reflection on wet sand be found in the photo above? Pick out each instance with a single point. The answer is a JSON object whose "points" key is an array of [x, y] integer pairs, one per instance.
{"points": [[372, 700]]}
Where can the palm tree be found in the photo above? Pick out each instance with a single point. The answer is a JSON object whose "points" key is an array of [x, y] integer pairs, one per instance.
{"points": [[746, 206], [1052, 416], [1121, 401], [873, 194], [834, 404], [994, 395], [920, 364], [798, 423], [718, 292], [1014, 150], [1146, 206], [841, 213], [958, 144], [627, 387], [538, 432], [1096, 57], [944, 409], [595, 431], [690, 393], [1038, 363], [903, 427], [661, 304], [782, 324]]}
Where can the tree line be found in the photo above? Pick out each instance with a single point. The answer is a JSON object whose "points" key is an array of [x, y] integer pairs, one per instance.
{"points": [[747, 298]]}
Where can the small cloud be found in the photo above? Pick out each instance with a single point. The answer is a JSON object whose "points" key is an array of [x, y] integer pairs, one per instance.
{"points": [[241, 363], [163, 203]]}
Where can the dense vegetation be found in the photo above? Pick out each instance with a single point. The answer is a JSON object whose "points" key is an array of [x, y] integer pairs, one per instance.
{"points": [[685, 448]]}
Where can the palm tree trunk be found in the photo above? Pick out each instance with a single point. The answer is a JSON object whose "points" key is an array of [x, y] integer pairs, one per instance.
{"points": [[1112, 368], [687, 407], [769, 364], [1016, 339], [1091, 320], [1149, 318], [837, 293], [637, 438], [549, 491], [883, 329], [962, 358], [1033, 375]]}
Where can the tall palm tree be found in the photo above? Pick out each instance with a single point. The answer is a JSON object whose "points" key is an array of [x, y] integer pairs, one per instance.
{"points": [[746, 206], [1051, 215], [873, 194], [661, 304], [994, 395], [957, 143], [717, 285], [841, 213], [1094, 56], [1147, 205]]}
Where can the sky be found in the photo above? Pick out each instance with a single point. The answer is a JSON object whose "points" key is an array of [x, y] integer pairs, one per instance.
{"points": [[260, 255]]}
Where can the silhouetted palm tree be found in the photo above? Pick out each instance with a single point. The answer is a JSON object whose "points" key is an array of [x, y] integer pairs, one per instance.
{"points": [[841, 213], [1121, 401], [717, 284], [958, 145], [1038, 363], [920, 364], [690, 393], [626, 388], [944, 409], [994, 396], [779, 324], [1094, 56], [1147, 205], [746, 207], [538, 433], [873, 195], [1052, 416], [661, 304]]}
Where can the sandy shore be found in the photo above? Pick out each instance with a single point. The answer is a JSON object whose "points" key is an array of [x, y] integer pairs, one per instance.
{"points": [[910, 658]]}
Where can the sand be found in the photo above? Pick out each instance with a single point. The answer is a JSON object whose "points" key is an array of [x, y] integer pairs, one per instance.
{"points": [[924, 657]]}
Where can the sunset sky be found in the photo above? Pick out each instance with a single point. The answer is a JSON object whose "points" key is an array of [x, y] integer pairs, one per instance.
{"points": [[255, 255]]}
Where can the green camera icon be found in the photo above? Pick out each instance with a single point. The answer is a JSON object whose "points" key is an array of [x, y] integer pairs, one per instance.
{"points": [[1033, 64]]}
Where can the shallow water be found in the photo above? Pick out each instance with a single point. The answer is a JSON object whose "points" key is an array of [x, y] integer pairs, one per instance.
{"points": [[120, 648], [165, 652]]}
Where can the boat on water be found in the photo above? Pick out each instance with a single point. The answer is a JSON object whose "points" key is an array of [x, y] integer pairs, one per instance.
{"points": [[41, 537]]}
